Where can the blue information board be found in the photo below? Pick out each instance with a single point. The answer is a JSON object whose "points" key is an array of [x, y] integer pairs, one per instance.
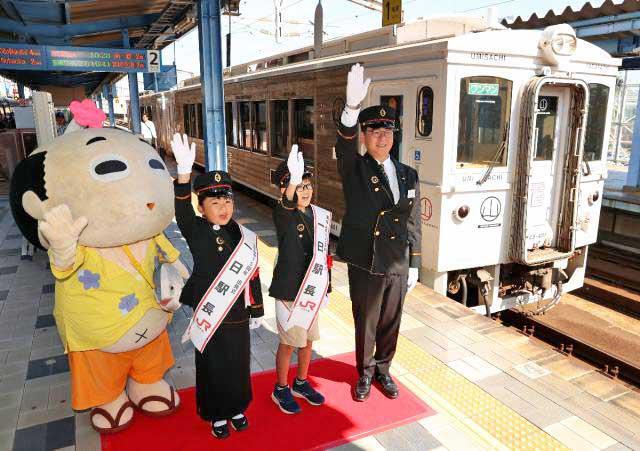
{"points": [[77, 59]]}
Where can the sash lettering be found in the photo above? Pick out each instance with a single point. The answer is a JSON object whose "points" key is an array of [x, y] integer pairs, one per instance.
{"points": [[224, 291]]}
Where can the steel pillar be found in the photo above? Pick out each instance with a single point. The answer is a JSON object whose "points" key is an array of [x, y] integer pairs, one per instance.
{"points": [[134, 97], [107, 93], [215, 149], [21, 90]]}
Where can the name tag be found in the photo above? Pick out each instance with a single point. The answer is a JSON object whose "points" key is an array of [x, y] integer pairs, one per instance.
{"points": [[411, 194]]}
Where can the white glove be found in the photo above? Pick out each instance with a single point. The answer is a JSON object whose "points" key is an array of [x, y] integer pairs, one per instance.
{"points": [[295, 164], [62, 233], [357, 87], [254, 323], [184, 154], [412, 280]]}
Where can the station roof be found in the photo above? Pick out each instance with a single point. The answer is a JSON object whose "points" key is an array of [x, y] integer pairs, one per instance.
{"points": [[151, 24], [554, 17]]}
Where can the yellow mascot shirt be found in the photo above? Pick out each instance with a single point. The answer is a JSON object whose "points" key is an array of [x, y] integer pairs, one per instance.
{"points": [[97, 301]]}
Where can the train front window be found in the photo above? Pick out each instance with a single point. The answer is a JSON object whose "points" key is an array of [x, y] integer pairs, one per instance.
{"points": [[303, 126], [596, 121], [546, 119], [279, 128], [485, 107]]}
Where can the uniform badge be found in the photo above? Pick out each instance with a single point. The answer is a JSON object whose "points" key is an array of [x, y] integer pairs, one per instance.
{"points": [[383, 113], [217, 177], [300, 227], [374, 179], [219, 240]]}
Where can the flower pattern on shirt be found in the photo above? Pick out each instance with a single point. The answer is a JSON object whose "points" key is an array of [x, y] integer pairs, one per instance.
{"points": [[128, 303], [89, 279]]}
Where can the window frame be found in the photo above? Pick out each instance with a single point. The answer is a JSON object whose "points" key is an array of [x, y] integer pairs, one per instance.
{"points": [[604, 123], [272, 132], [505, 125], [419, 104]]}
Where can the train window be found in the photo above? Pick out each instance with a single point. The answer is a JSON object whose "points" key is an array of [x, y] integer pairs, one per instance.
{"points": [[200, 124], [546, 125], [244, 111], [596, 120], [279, 128], [485, 107], [259, 122], [228, 122], [303, 126], [424, 118], [190, 120]]}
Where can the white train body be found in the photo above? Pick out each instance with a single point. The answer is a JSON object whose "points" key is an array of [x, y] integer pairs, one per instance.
{"points": [[508, 130]]}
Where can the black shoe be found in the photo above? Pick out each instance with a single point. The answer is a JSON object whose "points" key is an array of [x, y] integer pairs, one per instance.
{"points": [[362, 389], [220, 431], [240, 424], [389, 388]]}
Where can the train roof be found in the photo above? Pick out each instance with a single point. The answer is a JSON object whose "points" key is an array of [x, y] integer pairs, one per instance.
{"points": [[437, 36]]}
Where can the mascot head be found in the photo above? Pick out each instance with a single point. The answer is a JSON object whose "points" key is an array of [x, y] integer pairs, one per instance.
{"points": [[110, 176]]}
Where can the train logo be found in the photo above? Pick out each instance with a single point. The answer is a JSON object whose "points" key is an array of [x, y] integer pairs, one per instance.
{"points": [[427, 209], [490, 209]]}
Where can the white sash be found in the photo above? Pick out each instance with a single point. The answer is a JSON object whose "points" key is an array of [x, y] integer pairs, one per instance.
{"points": [[315, 284], [224, 291]]}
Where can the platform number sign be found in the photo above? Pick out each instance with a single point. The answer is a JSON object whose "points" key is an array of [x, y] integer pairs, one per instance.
{"points": [[391, 12], [153, 59]]}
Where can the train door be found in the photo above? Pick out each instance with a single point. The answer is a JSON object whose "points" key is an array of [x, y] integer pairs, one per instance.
{"points": [[397, 95], [547, 176], [546, 173]]}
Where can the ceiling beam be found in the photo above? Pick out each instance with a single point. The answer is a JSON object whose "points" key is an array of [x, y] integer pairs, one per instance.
{"points": [[71, 30]]}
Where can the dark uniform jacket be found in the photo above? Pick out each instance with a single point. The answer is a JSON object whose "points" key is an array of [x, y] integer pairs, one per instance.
{"points": [[295, 249], [377, 235], [205, 243]]}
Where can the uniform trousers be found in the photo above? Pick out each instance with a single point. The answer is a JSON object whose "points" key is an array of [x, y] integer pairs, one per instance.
{"points": [[376, 304]]}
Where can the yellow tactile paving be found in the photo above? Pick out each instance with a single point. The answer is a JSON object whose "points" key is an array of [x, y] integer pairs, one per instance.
{"points": [[493, 423]]}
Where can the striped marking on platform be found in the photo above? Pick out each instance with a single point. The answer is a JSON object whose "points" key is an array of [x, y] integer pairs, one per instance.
{"points": [[467, 405]]}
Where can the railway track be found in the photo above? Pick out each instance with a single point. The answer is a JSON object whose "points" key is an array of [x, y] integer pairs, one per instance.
{"points": [[601, 322]]}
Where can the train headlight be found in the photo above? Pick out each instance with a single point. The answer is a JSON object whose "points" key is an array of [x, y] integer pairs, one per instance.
{"points": [[558, 43], [593, 197], [461, 212]]}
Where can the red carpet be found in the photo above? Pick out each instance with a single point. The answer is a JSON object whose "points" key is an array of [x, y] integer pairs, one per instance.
{"points": [[338, 421]]}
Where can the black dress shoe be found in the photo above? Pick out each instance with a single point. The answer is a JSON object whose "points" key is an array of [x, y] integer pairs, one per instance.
{"points": [[240, 424], [220, 431], [389, 388], [362, 389]]}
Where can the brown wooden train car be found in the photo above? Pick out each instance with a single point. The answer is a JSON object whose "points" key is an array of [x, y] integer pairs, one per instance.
{"points": [[264, 118]]}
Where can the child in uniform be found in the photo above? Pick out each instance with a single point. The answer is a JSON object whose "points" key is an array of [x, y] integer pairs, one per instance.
{"points": [[298, 287], [221, 322]]}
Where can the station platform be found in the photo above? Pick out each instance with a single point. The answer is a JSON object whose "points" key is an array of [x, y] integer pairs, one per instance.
{"points": [[488, 387]]}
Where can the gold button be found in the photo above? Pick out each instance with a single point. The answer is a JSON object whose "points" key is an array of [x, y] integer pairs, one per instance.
{"points": [[410, 202], [382, 213], [220, 248], [393, 237], [396, 219], [376, 189], [377, 233], [299, 236]]}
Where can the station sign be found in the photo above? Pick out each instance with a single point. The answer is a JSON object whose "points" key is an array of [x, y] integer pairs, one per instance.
{"points": [[77, 59]]}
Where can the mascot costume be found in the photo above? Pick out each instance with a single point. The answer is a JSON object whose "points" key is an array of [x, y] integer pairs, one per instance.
{"points": [[99, 199]]}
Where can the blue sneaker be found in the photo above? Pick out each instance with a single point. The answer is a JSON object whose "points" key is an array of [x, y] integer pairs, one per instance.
{"points": [[282, 397], [303, 389]]}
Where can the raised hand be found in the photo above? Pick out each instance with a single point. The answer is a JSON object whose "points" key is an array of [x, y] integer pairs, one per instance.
{"points": [[62, 233], [357, 87], [184, 154], [295, 164]]}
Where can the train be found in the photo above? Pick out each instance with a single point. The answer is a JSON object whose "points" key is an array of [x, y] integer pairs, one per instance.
{"points": [[508, 130]]}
